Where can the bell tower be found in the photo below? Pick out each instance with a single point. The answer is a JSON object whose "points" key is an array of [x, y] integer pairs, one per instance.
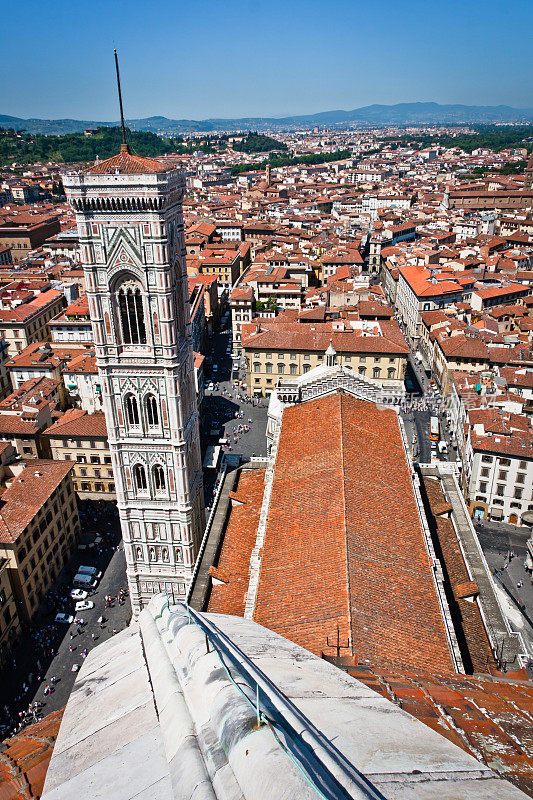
{"points": [[528, 174], [130, 225]]}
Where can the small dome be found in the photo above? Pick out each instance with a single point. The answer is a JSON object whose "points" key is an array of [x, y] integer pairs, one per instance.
{"points": [[331, 350]]}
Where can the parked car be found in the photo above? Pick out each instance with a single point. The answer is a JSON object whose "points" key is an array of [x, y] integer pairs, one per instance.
{"points": [[84, 605], [67, 618], [79, 594]]}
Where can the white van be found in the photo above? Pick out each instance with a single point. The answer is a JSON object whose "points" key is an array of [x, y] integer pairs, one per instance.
{"points": [[85, 570], [84, 581]]}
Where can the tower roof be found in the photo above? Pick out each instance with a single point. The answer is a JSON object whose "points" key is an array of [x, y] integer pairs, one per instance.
{"points": [[127, 164]]}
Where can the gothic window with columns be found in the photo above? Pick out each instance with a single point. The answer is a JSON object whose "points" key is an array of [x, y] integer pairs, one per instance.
{"points": [[131, 313], [152, 412], [139, 476], [158, 477], [132, 410], [362, 370]]}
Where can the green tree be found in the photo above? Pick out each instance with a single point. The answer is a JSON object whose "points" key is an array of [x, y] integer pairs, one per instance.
{"points": [[258, 143]]}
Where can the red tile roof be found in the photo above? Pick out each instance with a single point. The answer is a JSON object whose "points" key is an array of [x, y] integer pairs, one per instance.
{"points": [[516, 376], [239, 540], [83, 363], [78, 311], [48, 354], [127, 164], [28, 492], [25, 757], [367, 308], [518, 444], [27, 310], [461, 346], [276, 335], [242, 293], [488, 717], [76, 423], [477, 652], [424, 285], [34, 393], [15, 425], [497, 291], [344, 552]]}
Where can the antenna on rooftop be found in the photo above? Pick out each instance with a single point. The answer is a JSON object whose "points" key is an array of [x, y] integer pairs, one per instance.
{"points": [[124, 146]]}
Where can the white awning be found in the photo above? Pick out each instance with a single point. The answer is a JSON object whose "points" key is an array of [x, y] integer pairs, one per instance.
{"points": [[496, 513]]}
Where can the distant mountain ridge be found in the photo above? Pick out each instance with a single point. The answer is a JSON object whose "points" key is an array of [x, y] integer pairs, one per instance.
{"points": [[399, 114]]}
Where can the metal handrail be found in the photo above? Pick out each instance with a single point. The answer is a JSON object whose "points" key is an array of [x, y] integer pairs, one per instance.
{"points": [[309, 748], [205, 537]]}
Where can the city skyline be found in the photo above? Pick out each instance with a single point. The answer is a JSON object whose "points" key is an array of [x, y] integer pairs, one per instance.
{"points": [[266, 400], [238, 59]]}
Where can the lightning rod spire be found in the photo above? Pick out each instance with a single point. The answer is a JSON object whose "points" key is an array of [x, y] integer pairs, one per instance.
{"points": [[124, 148]]}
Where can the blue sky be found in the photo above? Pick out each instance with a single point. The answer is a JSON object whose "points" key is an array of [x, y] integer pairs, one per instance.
{"points": [[232, 58]]}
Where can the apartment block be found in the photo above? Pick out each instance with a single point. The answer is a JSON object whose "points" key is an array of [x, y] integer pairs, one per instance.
{"points": [[82, 438], [39, 528]]}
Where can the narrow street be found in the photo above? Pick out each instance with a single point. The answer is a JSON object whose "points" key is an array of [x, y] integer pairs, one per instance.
{"points": [[504, 547], [53, 649], [423, 402], [223, 406]]}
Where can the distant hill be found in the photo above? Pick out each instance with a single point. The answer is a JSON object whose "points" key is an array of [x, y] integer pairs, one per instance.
{"points": [[57, 127], [399, 114], [428, 113]]}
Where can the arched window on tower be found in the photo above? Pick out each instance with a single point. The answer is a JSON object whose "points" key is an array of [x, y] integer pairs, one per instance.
{"points": [[151, 410], [139, 476], [158, 477], [132, 411], [131, 313]]}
